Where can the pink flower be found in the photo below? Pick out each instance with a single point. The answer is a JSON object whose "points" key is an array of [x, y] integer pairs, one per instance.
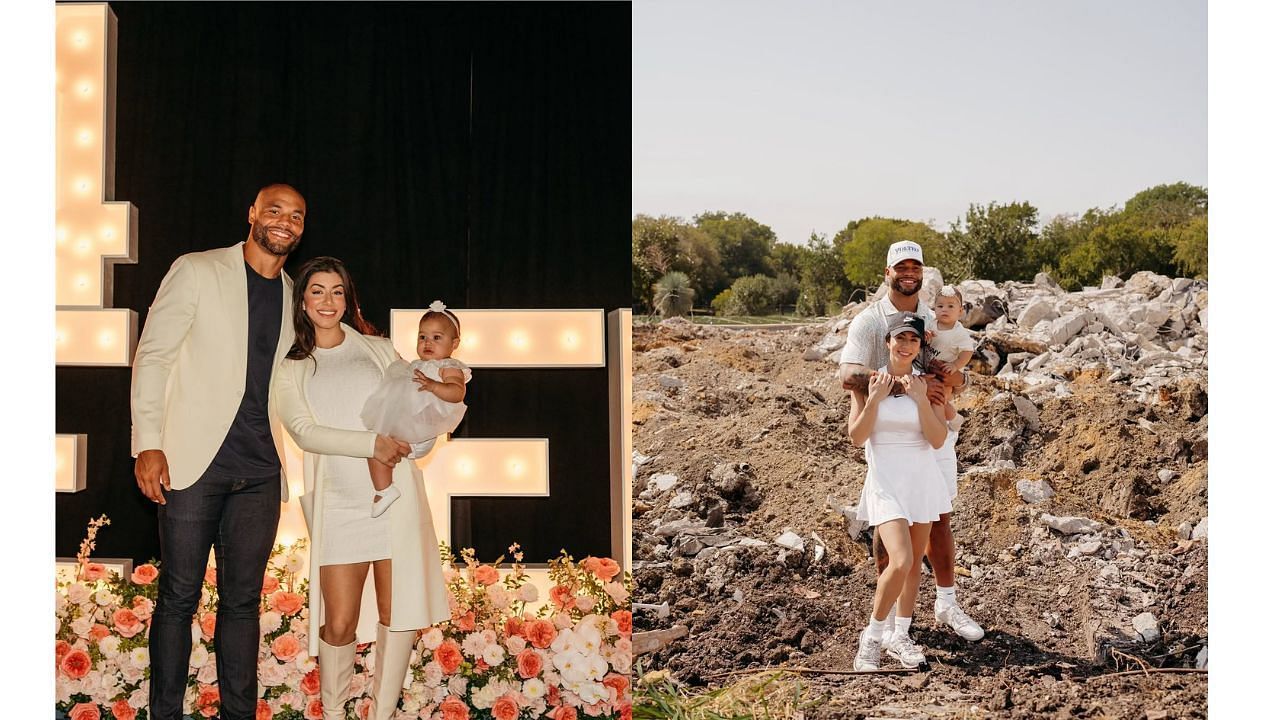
{"points": [[314, 710], [84, 711], [269, 584], [624, 712], [94, 571], [207, 700], [286, 603], [127, 622], [465, 623], [449, 656], [623, 618], [99, 631], [76, 663], [122, 710], [143, 607], [454, 709], [211, 576], [363, 707], [505, 708], [513, 626], [603, 568], [540, 633], [311, 682], [486, 575], [144, 574], [564, 712], [562, 596], [208, 623], [263, 711], [60, 650], [529, 663], [286, 647], [621, 685], [584, 603]]}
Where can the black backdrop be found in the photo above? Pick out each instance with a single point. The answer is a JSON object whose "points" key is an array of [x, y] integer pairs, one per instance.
{"points": [[478, 153]]}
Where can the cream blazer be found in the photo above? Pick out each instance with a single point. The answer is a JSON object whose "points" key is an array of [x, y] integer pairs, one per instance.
{"points": [[418, 596], [189, 368]]}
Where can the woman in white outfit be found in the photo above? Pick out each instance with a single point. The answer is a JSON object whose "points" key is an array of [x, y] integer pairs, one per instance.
{"points": [[904, 491], [320, 389]]}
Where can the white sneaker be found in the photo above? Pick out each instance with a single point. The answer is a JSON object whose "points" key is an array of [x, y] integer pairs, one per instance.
{"points": [[868, 657], [955, 618], [384, 500], [904, 651]]}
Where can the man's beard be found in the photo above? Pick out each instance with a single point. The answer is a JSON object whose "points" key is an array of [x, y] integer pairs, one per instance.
{"points": [[896, 284], [266, 242]]}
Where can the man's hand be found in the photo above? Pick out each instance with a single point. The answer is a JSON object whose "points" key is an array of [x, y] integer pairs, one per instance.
{"points": [[937, 395], [152, 472], [389, 451], [854, 377]]}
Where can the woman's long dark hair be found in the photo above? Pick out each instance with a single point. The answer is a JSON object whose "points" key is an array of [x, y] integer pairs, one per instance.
{"points": [[304, 341]]}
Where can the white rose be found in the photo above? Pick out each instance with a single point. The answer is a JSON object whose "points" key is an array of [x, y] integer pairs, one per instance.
{"points": [[77, 593], [293, 699], [527, 593], [199, 656], [60, 603], [140, 657], [138, 698], [498, 596], [82, 625], [483, 697], [621, 661], [571, 665], [493, 655], [534, 688], [293, 563], [196, 634], [515, 644], [109, 645], [268, 622], [474, 643], [131, 674], [433, 638], [458, 685], [432, 674], [209, 673], [617, 592], [104, 598]]}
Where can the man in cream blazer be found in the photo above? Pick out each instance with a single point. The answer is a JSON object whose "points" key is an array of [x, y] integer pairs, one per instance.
{"points": [[206, 448]]}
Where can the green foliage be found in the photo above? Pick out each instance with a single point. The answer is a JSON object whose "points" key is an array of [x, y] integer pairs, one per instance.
{"points": [[1191, 247], [667, 244], [863, 254], [744, 245], [823, 285], [754, 295], [723, 302], [672, 295], [994, 243]]}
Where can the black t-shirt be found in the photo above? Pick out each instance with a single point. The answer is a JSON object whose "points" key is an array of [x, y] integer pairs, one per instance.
{"points": [[248, 450]]}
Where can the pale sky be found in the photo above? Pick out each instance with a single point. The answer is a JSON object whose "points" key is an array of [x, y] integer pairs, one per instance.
{"points": [[808, 114]]}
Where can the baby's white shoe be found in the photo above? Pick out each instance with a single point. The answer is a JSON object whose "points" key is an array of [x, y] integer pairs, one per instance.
{"points": [[384, 499]]}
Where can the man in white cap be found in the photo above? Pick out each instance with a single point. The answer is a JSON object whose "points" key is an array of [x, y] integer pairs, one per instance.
{"points": [[864, 352]]}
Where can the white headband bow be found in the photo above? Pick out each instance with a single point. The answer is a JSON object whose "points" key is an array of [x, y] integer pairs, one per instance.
{"points": [[438, 307]]}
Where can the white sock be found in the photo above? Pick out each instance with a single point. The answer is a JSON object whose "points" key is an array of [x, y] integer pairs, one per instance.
{"points": [[876, 628], [901, 625], [946, 596]]}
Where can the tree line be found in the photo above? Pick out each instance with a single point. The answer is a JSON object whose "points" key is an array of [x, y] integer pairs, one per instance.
{"points": [[735, 265]]}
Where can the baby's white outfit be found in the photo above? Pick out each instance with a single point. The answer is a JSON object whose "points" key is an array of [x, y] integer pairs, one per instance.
{"points": [[398, 409], [948, 344], [903, 477]]}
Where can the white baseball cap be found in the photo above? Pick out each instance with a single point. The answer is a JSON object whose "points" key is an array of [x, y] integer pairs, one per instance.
{"points": [[903, 250]]}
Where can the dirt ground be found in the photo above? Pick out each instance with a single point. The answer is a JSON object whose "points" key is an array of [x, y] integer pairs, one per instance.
{"points": [[1058, 618]]}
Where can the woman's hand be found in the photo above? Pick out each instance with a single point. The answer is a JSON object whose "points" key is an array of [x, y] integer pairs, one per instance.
{"points": [[915, 388], [878, 386], [389, 451]]}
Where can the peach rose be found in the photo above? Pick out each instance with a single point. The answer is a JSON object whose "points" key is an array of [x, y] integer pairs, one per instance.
{"points": [[364, 707], [144, 574], [454, 709], [60, 650], [76, 663], [486, 575], [603, 568], [84, 711], [314, 709], [623, 618], [624, 712], [553, 695], [207, 700], [286, 603], [505, 708], [143, 607], [122, 710], [564, 712], [513, 626], [211, 576], [286, 647], [93, 571], [269, 584], [529, 663], [99, 631], [127, 622], [562, 596], [467, 622], [449, 656], [208, 623], [263, 711], [311, 682], [540, 633], [620, 684]]}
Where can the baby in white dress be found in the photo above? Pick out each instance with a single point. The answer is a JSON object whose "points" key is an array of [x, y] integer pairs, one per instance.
{"points": [[415, 414]]}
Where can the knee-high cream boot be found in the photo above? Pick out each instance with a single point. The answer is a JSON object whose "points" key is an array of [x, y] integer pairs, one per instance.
{"points": [[337, 665], [391, 653]]}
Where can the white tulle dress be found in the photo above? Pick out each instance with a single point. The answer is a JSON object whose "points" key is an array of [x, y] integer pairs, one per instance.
{"points": [[903, 477], [398, 409]]}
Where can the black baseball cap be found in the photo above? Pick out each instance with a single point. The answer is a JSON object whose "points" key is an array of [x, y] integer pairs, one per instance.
{"points": [[907, 322]]}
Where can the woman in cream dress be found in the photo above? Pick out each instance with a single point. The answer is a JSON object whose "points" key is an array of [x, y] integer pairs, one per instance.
{"points": [[322, 384]]}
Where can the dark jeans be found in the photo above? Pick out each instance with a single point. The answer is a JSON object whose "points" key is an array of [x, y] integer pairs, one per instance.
{"points": [[238, 517]]}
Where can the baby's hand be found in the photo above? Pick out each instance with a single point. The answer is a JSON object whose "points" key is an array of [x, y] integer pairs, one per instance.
{"points": [[950, 367], [424, 382]]}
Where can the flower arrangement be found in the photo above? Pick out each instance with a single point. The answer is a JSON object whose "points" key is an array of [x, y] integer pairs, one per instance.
{"points": [[502, 655]]}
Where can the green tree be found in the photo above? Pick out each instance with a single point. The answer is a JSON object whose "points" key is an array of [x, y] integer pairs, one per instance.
{"points": [[1191, 247], [863, 254], [744, 244], [672, 295], [995, 242], [753, 295], [824, 289], [668, 244]]}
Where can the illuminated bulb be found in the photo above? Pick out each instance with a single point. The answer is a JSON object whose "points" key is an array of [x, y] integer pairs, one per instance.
{"points": [[80, 39], [569, 339], [515, 468], [286, 539], [519, 340], [83, 137], [470, 342], [82, 281], [82, 186], [464, 466], [61, 336], [106, 339], [62, 233]]}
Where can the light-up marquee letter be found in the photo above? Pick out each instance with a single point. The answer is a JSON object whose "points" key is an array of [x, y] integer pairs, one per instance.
{"points": [[91, 233]]}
